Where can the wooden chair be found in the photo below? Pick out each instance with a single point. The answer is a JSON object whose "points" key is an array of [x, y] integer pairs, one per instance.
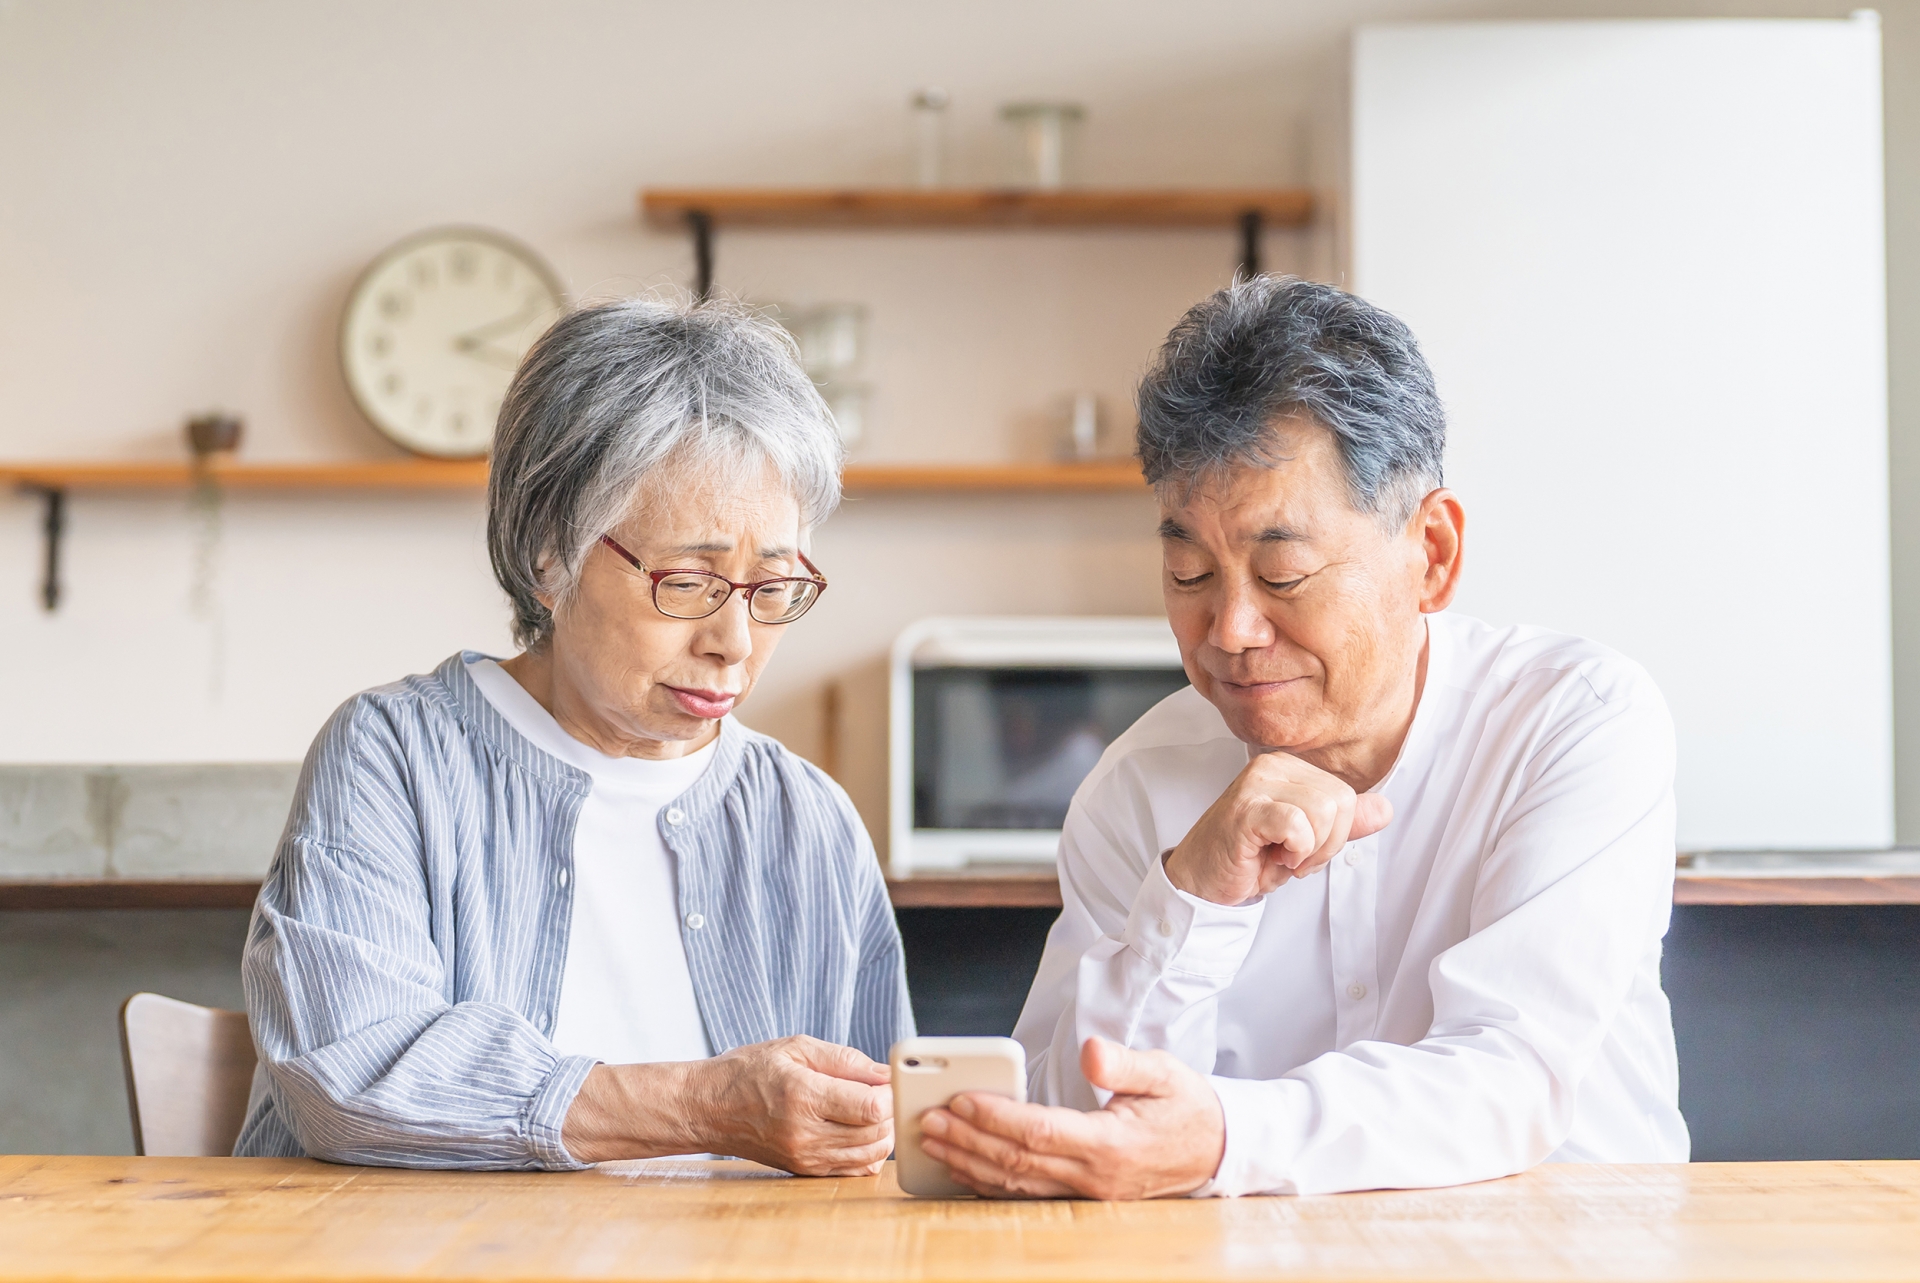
{"points": [[188, 1073]]}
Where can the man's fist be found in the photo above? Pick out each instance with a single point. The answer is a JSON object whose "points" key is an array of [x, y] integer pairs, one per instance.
{"points": [[1281, 818]]}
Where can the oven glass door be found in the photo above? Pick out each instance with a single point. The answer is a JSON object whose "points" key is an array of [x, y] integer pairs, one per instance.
{"points": [[1004, 748]]}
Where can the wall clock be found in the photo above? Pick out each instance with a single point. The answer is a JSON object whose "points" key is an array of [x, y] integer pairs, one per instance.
{"points": [[434, 330]]}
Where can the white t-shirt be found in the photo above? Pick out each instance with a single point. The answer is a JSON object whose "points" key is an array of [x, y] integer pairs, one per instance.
{"points": [[1470, 991], [625, 995]]}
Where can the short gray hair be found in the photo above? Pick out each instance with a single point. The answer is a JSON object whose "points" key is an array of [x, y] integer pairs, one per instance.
{"points": [[614, 391], [1268, 348]]}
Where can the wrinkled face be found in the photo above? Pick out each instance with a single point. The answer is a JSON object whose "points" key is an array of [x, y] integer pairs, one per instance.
{"points": [[649, 676], [1298, 617]]}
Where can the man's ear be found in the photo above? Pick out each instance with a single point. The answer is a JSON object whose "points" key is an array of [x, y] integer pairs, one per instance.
{"points": [[1441, 524]]}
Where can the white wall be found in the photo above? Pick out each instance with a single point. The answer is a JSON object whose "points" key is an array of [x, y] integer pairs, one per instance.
{"points": [[1646, 260], [191, 188], [187, 190]]}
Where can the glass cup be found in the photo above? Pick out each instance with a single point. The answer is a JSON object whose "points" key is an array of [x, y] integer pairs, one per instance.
{"points": [[1045, 133], [930, 137], [848, 404], [832, 338]]}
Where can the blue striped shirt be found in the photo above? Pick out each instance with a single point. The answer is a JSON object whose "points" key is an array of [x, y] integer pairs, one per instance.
{"points": [[403, 966]]}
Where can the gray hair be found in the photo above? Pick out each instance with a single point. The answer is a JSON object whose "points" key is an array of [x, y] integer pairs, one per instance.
{"points": [[610, 394], [1269, 348]]}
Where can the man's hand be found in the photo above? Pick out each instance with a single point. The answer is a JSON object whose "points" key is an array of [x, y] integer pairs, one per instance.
{"points": [[1161, 1135], [1281, 818], [800, 1104]]}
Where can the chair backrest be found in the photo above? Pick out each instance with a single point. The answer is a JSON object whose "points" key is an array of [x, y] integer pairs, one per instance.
{"points": [[188, 1073]]}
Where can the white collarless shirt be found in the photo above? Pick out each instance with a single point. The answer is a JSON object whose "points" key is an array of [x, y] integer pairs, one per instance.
{"points": [[625, 994], [1473, 990]]}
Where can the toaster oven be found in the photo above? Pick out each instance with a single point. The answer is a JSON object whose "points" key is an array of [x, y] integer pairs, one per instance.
{"points": [[994, 722]]}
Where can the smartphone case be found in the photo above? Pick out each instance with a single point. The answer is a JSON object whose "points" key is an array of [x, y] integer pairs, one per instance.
{"points": [[927, 1073]]}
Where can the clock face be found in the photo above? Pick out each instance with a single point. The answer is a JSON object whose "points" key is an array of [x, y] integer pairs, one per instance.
{"points": [[434, 331]]}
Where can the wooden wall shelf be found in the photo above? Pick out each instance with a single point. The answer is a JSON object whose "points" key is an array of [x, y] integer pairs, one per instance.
{"points": [[880, 478], [958, 207], [432, 474], [348, 474], [700, 210], [52, 480]]}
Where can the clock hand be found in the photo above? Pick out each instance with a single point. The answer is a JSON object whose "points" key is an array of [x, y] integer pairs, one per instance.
{"points": [[474, 338], [491, 355]]}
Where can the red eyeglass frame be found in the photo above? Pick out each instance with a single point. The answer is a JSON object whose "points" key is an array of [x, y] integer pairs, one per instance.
{"points": [[818, 580]]}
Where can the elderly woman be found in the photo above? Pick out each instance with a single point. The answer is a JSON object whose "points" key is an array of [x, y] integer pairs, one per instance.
{"points": [[563, 908]]}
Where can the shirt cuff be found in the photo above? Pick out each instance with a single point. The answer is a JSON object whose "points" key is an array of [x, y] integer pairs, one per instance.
{"points": [[547, 1115], [1266, 1126], [1175, 931]]}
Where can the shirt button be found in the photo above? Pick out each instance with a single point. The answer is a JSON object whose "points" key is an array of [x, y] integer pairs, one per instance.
{"points": [[1166, 928], [1356, 991], [1352, 856], [675, 815], [695, 921], [563, 877], [543, 1024]]}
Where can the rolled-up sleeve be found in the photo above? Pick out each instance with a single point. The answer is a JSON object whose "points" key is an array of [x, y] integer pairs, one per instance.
{"points": [[366, 1059], [408, 949]]}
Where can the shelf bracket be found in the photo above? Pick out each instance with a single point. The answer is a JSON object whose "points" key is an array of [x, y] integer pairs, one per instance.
{"points": [[52, 526], [700, 223], [1250, 222]]}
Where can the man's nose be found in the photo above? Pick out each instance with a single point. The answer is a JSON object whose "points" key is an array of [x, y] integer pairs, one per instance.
{"points": [[1240, 623]]}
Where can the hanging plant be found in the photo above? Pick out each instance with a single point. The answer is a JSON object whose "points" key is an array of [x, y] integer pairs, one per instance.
{"points": [[209, 436]]}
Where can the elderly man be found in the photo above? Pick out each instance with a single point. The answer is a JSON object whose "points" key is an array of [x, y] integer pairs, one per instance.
{"points": [[1378, 901]]}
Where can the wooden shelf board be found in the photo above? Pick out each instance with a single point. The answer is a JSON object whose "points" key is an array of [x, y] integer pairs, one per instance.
{"points": [[352, 474], [430, 474], [1107, 474], [975, 207]]}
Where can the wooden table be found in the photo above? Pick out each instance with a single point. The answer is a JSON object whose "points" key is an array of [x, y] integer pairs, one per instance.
{"points": [[232, 1219]]}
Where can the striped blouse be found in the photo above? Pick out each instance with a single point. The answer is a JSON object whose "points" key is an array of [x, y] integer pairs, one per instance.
{"points": [[403, 965]]}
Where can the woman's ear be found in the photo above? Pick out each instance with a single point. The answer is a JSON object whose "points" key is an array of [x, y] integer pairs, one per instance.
{"points": [[542, 594], [1442, 526]]}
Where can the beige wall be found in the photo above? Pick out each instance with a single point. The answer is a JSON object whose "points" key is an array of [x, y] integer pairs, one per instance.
{"points": [[187, 190]]}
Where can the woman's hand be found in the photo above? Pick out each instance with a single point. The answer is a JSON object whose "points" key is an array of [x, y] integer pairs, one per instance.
{"points": [[799, 1104], [810, 1107]]}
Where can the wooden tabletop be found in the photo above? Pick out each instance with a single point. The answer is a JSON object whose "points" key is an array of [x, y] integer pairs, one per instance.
{"points": [[271, 1219]]}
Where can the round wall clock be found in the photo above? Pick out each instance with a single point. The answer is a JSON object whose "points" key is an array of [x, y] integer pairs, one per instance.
{"points": [[434, 330]]}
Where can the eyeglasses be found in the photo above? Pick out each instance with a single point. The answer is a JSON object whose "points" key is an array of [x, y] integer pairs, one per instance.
{"points": [[695, 594]]}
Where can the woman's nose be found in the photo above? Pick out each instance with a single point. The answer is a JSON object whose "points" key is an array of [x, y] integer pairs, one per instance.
{"points": [[728, 635]]}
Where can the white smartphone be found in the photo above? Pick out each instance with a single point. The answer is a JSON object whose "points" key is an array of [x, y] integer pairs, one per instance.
{"points": [[929, 1072]]}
